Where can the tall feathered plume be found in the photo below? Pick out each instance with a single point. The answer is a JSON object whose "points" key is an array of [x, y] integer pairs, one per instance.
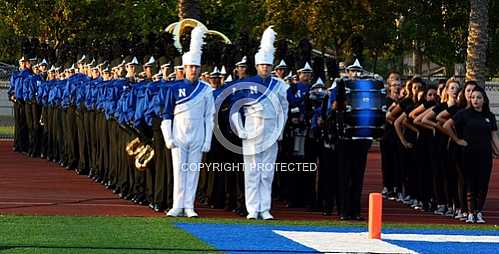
{"points": [[267, 42], [197, 36]]}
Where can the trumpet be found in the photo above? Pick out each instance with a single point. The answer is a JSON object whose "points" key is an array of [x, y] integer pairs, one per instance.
{"points": [[144, 157]]}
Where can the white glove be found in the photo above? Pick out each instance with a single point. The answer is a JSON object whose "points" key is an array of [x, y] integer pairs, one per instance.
{"points": [[236, 120], [169, 144], [166, 129], [206, 147]]}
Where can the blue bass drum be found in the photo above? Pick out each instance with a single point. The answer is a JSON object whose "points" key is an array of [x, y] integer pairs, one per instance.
{"points": [[365, 108]]}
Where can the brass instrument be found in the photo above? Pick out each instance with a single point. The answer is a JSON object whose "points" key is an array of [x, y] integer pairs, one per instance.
{"points": [[133, 147], [142, 153], [144, 157]]}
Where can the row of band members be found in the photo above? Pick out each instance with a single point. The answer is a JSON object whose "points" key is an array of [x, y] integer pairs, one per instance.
{"points": [[425, 174]]}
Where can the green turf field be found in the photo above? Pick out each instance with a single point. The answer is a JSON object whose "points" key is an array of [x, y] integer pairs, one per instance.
{"points": [[6, 131], [54, 234], [61, 234]]}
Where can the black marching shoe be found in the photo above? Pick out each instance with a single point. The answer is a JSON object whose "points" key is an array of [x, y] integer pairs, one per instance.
{"points": [[344, 217], [358, 218]]}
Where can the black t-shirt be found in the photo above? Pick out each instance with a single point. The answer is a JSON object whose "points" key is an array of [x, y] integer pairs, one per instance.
{"points": [[452, 110], [428, 104], [475, 128], [389, 101], [439, 108], [407, 105]]}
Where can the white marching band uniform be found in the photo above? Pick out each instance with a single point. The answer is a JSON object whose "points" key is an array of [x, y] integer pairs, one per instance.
{"points": [[265, 118], [190, 136], [187, 130], [263, 126]]}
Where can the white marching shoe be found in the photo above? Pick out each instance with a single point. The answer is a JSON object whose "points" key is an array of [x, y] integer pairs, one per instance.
{"points": [[190, 213], [471, 218], [479, 218], [266, 215], [252, 216], [175, 212]]}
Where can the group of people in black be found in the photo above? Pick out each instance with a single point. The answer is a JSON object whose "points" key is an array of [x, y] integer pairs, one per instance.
{"points": [[436, 149], [438, 146]]}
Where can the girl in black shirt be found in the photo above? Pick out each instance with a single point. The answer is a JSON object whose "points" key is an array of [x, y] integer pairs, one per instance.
{"points": [[388, 144], [408, 137], [422, 147], [475, 129], [394, 111], [442, 183]]}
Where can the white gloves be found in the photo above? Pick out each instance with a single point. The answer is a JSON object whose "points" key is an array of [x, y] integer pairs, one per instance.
{"points": [[237, 121], [206, 147], [166, 129]]}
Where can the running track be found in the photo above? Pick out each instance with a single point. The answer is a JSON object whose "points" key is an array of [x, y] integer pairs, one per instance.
{"points": [[37, 187]]}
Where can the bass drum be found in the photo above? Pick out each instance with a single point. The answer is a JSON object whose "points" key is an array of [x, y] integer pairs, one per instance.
{"points": [[365, 108]]}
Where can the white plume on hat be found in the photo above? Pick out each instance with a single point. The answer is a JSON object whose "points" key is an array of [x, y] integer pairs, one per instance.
{"points": [[281, 65], [228, 79], [193, 57], [215, 71], [150, 62], [355, 66], [223, 71], [134, 61], [242, 62], [265, 54], [82, 59], [306, 68], [318, 83]]}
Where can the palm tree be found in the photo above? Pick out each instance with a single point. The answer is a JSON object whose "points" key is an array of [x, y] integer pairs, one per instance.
{"points": [[477, 41], [189, 9]]}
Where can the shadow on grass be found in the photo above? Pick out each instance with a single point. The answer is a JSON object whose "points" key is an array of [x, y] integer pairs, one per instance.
{"points": [[21, 246], [57, 203]]}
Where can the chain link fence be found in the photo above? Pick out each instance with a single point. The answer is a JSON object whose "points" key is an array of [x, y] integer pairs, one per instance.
{"points": [[6, 109]]}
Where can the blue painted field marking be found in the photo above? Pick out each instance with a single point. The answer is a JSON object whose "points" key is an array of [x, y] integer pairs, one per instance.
{"points": [[234, 238]]}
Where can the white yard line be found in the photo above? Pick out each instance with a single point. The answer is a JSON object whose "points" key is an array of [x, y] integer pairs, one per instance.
{"points": [[359, 242], [342, 242]]}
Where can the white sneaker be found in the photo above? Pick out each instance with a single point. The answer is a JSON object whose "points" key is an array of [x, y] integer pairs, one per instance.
{"points": [[266, 215], [414, 203], [449, 213], [459, 215], [419, 206], [384, 192], [479, 218], [175, 212], [252, 216], [400, 197], [190, 213], [464, 217], [471, 218], [408, 202], [440, 210]]}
